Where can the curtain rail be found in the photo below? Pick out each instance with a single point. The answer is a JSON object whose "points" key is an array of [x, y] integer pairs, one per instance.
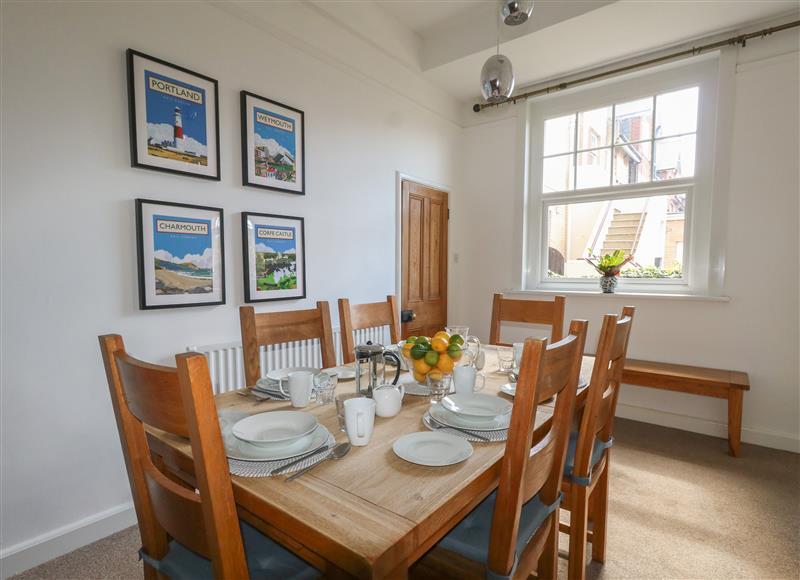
{"points": [[694, 51]]}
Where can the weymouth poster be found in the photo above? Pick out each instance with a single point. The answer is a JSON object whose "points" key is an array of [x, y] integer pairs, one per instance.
{"points": [[272, 145], [173, 118]]}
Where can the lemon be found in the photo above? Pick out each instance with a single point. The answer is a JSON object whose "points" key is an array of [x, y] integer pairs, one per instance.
{"points": [[436, 375], [419, 377], [441, 334], [439, 344]]}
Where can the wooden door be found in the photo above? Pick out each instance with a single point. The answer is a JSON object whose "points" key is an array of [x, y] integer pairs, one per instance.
{"points": [[424, 259]]}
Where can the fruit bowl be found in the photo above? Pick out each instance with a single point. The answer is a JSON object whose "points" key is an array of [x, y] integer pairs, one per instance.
{"points": [[436, 355]]}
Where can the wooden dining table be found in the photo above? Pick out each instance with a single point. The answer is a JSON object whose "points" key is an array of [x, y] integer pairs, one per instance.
{"points": [[370, 514]]}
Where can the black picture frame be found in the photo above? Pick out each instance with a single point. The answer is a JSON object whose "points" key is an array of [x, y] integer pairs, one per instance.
{"points": [[247, 178], [135, 134], [253, 295], [142, 256]]}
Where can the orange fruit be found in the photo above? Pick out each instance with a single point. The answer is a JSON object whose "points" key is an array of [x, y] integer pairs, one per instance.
{"points": [[441, 334], [419, 377], [439, 344], [445, 363], [420, 366]]}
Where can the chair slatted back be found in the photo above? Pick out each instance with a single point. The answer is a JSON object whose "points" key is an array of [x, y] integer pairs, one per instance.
{"points": [[601, 402], [549, 312], [545, 371], [359, 316], [268, 328], [179, 401]]}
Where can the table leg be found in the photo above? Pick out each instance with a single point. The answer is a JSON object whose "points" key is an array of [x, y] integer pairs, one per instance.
{"points": [[735, 406]]}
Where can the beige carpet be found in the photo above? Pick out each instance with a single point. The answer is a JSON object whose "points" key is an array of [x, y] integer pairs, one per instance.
{"points": [[680, 508]]}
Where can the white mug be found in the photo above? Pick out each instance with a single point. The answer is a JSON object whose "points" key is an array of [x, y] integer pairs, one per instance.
{"points": [[388, 399], [359, 419], [518, 348], [467, 379], [301, 384]]}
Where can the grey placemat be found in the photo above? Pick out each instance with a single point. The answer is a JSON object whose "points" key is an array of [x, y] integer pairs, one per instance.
{"points": [[492, 436], [263, 468]]}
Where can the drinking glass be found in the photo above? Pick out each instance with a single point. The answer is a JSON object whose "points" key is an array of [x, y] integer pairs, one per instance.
{"points": [[340, 399], [439, 386], [326, 389], [505, 359]]}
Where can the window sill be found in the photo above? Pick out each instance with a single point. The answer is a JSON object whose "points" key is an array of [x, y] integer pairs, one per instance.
{"points": [[626, 295]]}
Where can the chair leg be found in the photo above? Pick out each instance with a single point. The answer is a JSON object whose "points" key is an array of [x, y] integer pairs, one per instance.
{"points": [[599, 506], [578, 524], [548, 561]]}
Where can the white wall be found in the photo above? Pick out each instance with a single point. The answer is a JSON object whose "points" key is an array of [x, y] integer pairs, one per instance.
{"points": [[69, 259], [757, 331]]}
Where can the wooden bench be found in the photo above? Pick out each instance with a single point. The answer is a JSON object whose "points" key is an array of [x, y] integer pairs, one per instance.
{"points": [[717, 383]]}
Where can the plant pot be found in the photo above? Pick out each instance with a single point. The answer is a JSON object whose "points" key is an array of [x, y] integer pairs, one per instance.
{"points": [[607, 284]]}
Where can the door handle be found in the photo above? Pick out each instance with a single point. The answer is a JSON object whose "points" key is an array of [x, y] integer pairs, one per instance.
{"points": [[407, 315]]}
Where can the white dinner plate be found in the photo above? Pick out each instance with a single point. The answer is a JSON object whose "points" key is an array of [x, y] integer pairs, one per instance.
{"points": [[283, 374], [432, 449], [476, 405], [275, 429], [442, 415], [244, 451], [344, 373], [509, 389]]}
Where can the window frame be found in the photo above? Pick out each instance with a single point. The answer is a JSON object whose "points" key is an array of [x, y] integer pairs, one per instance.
{"points": [[702, 72]]}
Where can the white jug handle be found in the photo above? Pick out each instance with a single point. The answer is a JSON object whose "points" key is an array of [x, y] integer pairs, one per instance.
{"points": [[280, 386], [479, 377]]}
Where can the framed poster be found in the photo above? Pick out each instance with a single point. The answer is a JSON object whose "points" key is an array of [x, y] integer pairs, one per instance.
{"points": [[274, 257], [174, 118], [273, 145], [181, 254]]}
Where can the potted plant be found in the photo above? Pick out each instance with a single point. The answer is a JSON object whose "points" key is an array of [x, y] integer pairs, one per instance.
{"points": [[609, 267]]}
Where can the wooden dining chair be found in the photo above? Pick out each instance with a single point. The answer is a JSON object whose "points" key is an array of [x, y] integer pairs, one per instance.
{"points": [[585, 483], [550, 312], [268, 328], [515, 529], [185, 533], [354, 317]]}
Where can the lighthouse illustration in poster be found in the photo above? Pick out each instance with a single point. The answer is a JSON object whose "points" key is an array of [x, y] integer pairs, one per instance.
{"points": [[276, 257], [183, 255], [176, 119]]}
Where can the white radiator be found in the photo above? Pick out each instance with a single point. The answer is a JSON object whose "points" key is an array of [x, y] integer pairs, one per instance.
{"points": [[226, 362]]}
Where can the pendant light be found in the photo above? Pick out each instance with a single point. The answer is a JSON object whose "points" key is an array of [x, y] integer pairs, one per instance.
{"points": [[497, 76], [514, 12]]}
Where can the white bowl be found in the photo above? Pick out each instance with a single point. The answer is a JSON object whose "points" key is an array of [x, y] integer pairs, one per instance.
{"points": [[476, 405], [275, 429]]}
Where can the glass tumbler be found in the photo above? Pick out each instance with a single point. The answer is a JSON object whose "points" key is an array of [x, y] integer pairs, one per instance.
{"points": [[326, 389], [505, 359], [439, 385]]}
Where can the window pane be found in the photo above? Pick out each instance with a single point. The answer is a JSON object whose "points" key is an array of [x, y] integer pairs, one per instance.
{"points": [[558, 173], [559, 135], [676, 112], [633, 121], [649, 228], [674, 157], [594, 128], [594, 169], [632, 163]]}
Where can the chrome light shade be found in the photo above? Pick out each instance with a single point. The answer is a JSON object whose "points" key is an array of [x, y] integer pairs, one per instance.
{"points": [[497, 79], [516, 12]]}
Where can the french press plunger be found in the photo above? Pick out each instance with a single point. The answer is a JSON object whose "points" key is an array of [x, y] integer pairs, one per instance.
{"points": [[371, 367]]}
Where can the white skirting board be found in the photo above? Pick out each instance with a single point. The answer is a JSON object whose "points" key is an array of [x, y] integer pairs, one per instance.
{"points": [[43, 548], [60, 541]]}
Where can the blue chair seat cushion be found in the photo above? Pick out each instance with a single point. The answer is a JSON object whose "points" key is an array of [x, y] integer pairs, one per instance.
{"points": [[265, 559], [597, 453], [470, 538]]}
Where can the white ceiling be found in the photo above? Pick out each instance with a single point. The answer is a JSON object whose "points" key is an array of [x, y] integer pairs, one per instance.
{"points": [[418, 15]]}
